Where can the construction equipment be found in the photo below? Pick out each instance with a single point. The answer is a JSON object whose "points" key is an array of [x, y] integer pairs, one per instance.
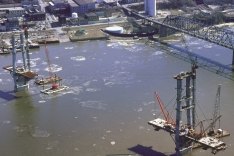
{"points": [[187, 137], [166, 114], [53, 78], [21, 74]]}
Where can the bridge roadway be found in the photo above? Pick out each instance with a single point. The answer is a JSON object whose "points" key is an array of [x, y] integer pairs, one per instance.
{"points": [[213, 34]]}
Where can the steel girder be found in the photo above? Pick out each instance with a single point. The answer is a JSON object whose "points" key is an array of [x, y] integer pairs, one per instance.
{"points": [[190, 26]]}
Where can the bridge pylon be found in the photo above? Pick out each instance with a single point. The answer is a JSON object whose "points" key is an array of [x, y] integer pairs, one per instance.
{"points": [[21, 74]]}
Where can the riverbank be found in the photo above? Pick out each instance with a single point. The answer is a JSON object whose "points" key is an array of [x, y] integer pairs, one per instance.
{"points": [[89, 32]]}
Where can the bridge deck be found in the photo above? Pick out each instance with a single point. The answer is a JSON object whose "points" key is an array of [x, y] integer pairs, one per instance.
{"points": [[20, 71]]}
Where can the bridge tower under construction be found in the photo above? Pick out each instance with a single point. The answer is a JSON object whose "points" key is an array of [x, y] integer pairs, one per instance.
{"points": [[150, 7], [21, 74]]}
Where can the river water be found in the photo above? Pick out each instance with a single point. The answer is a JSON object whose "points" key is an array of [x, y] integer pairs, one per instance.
{"points": [[109, 101]]}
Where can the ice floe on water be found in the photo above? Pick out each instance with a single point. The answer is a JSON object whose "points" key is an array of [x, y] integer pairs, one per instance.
{"points": [[135, 48], [23, 128], [6, 122], [92, 89], [32, 63], [31, 130], [76, 149], [69, 48], [42, 101], [129, 45], [148, 103], [208, 46], [112, 143], [38, 133], [86, 83], [94, 105], [141, 127], [76, 90], [108, 131], [157, 53], [52, 144], [120, 43], [54, 68], [78, 58], [194, 43], [118, 78], [140, 109]]}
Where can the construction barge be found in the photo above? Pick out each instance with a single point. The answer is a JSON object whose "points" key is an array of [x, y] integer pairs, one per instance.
{"points": [[47, 80], [53, 89], [188, 136]]}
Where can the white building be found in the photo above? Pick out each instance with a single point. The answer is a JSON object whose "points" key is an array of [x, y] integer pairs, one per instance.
{"points": [[150, 7]]}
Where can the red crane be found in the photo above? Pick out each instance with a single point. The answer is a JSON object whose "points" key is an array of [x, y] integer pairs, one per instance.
{"points": [[166, 114]]}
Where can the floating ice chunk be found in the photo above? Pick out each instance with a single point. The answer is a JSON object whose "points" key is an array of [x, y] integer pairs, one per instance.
{"points": [[91, 89], [6, 122], [42, 101], [52, 145], [208, 46], [78, 58], [112, 142], [108, 131], [54, 68], [140, 109], [40, 133], [86, 83], [93, 104], [76, 149], [157, 53], [141, 127], [109, 83], [68, 48]]}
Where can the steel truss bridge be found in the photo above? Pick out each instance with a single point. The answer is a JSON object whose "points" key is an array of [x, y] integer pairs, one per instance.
{"points": [[195, 28]]}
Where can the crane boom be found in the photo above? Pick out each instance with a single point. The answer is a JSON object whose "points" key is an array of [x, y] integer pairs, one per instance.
{"points": [[216, 112], [166, 114]]}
